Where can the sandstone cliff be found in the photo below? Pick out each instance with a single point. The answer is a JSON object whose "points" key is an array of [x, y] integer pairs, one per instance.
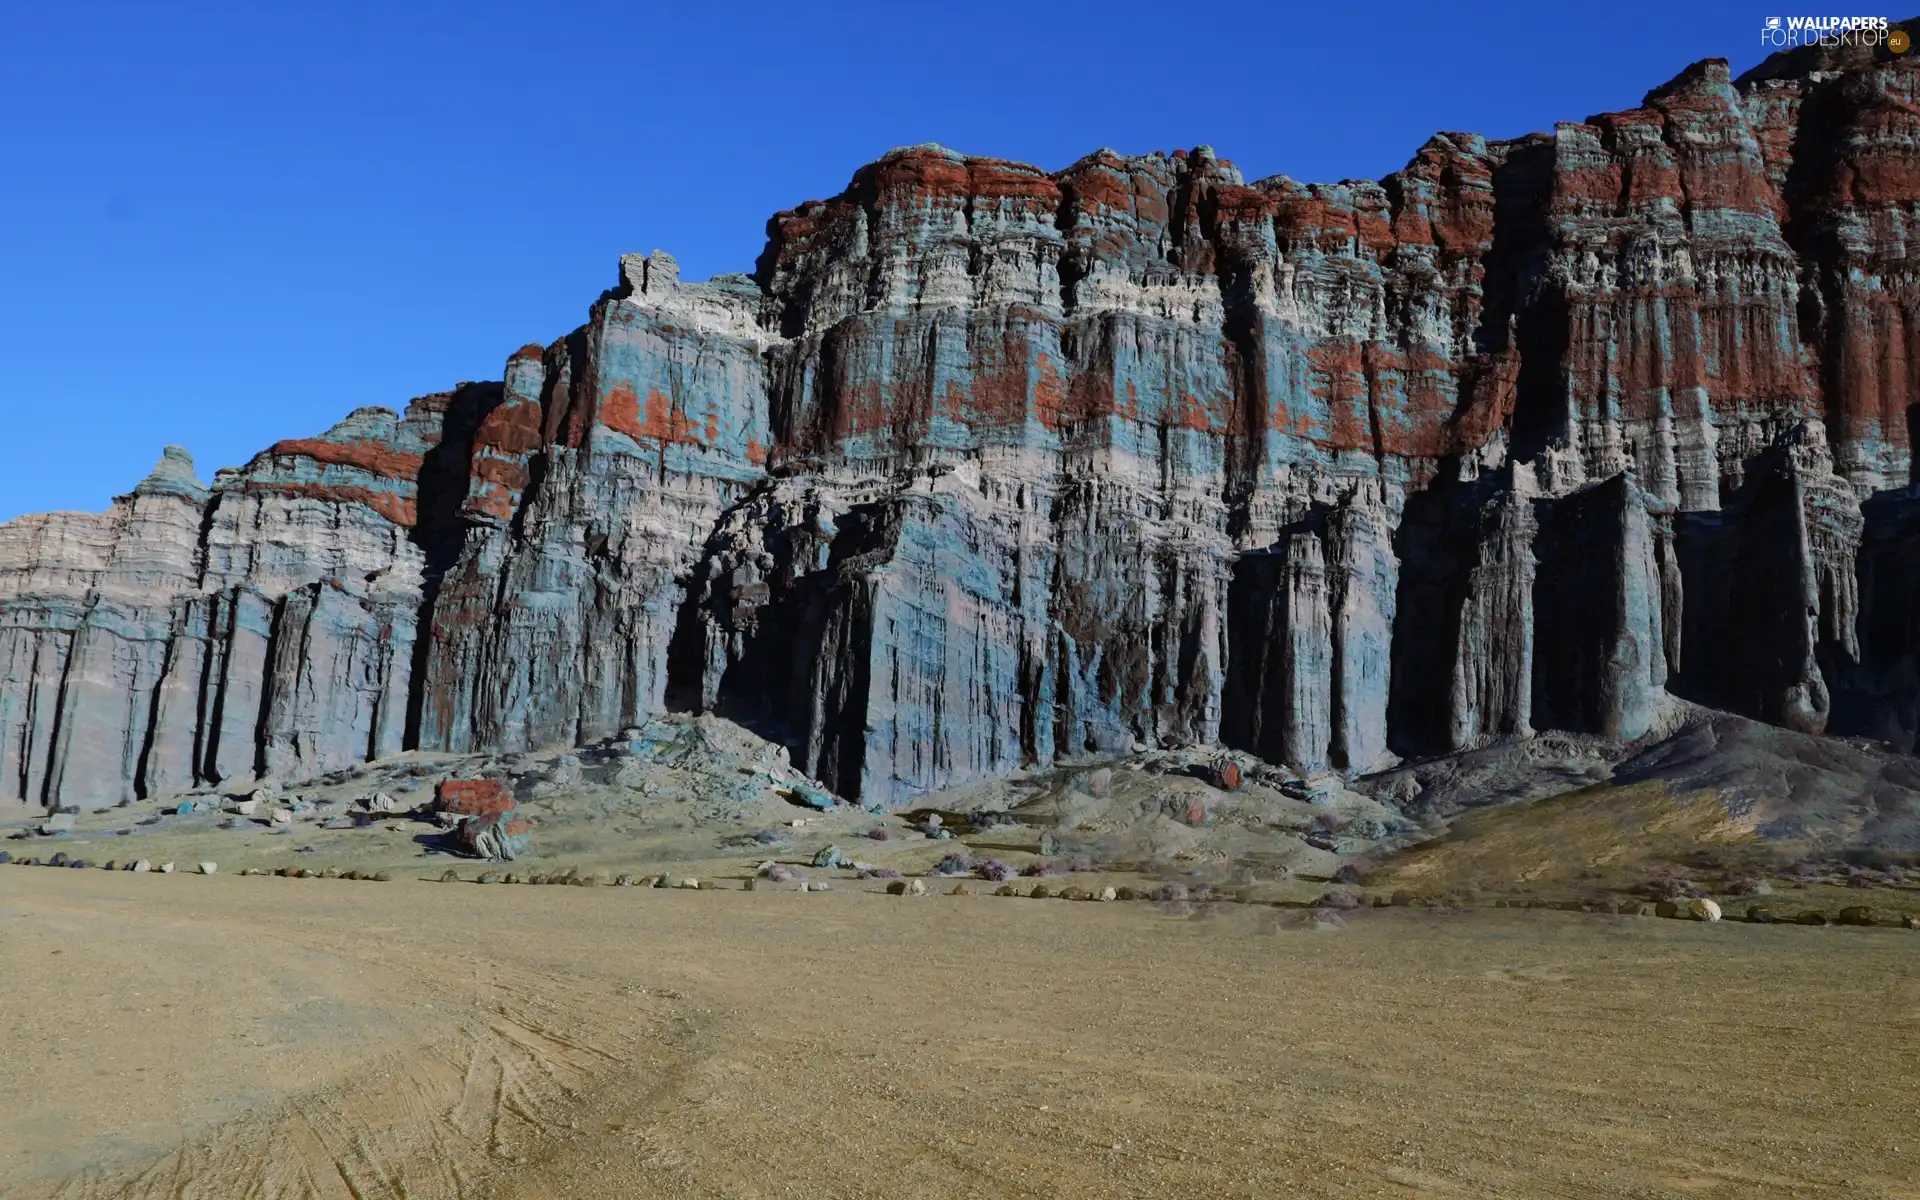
{"points": [[985, 466]]}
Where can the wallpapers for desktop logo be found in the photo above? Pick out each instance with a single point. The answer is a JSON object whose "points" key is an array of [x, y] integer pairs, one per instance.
{"points": [[1784, 33]]}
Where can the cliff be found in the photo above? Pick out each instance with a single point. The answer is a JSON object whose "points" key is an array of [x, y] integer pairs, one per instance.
{"points": [[986, 466]]}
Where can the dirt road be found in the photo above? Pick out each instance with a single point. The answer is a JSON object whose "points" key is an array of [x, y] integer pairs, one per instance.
{"points": [[181, 1036]]}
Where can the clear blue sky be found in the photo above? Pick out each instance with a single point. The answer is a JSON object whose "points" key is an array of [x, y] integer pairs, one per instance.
{"points": [[223, 225]]}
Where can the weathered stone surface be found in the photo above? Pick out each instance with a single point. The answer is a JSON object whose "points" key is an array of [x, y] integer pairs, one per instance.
{"points": [[986, 466]]}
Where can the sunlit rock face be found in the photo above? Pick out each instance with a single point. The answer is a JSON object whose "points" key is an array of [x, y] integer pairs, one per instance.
{"points": [[985, 466]]}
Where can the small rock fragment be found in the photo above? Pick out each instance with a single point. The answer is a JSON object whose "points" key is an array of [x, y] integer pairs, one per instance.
{"points": [[449, 877], [489, 877], [1107, 893], [165, 868], [207, 868], [690, 883]]}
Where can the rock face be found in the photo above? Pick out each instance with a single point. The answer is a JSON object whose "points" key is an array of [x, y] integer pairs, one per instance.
{"points": [[986, 466]]}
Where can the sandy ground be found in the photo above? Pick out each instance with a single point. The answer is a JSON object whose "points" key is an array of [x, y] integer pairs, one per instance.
{"points": [[184, 1036]]}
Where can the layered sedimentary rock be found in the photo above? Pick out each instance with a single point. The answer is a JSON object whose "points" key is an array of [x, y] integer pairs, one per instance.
{"points": [[985, 466]]}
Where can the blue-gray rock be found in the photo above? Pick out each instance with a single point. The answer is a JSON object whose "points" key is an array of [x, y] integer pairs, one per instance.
{"points": [[986, 467]]}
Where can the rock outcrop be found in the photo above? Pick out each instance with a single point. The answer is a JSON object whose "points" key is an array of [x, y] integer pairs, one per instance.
{"points": [[985, 466]]}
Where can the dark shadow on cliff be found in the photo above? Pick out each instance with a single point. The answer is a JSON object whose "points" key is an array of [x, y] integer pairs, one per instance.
{"points": [[438, 529]]}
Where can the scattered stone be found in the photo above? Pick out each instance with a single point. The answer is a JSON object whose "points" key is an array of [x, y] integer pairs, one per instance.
{"points": [[1667, 908], [1811, 916], [624, 881], [1757, 915], [207, 868], [379, 876], [1857, 914], [1100, 782], [1041, 892], [1911, 921], [1074, 893], [1702, 909], [165, 868], [380, 802], [707, 885], [960, 889], [281, 816], [1006, 889], [830, 858], [489, 877], [450, 877], [1107, 893], [349, 873], [245, 808], [1126, 893], [690, 883]]}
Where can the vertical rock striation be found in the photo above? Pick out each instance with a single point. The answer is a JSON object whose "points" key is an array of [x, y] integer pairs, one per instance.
{"points": [[985, 466]]}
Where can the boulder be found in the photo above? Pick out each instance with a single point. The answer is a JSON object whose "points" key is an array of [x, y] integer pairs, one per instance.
{"points": [[207, 868], [473, 797], [1702, 909], [496, 837]]}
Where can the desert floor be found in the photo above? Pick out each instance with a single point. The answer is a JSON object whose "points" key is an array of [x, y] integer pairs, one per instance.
{"points": [[189, 1036]]}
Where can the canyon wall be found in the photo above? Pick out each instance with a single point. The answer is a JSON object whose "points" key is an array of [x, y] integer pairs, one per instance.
{"points": [[985, 466]]}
